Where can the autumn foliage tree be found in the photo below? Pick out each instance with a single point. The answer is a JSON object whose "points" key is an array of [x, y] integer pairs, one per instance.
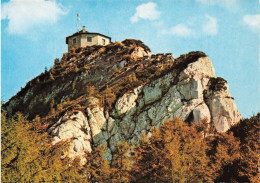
{"points": [[20, 151], [27, 154], [224, 153], [248, 132], [173, 153], [97, 168], [122, 163]]}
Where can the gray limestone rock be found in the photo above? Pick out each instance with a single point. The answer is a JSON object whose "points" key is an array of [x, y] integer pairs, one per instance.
{"points": [[136, 112]]}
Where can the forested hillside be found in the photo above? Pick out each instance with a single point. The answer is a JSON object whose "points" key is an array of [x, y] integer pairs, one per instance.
{"points": [[175, 152]]}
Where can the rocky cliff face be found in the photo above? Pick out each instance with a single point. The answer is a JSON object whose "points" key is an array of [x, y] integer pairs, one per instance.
{"points": [[132, 91]]}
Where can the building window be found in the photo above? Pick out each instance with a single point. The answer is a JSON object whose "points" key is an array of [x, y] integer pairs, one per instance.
{"points": [[89, 39], [103, 41], [74, 40]]}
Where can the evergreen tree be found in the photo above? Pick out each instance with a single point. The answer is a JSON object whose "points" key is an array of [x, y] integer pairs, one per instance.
{"points": [[56, 61]]}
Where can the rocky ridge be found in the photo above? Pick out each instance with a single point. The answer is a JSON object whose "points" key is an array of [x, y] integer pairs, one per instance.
{"points": [[103, 95]]}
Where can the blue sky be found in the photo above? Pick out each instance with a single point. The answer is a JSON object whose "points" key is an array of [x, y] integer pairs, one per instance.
{"points": [[33, 34]]}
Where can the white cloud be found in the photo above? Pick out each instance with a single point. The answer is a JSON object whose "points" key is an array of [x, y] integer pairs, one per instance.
{"points": [[146, 11], [253, 21], [190, 28], [24, 15], [211, 27], [229, 4], [178, 30]]}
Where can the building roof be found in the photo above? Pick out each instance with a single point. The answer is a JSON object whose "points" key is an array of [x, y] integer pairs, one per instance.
{"points": [[86, 32]]}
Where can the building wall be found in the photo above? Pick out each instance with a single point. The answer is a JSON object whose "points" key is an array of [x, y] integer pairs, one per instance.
{"points": [[71, 44], [100, 40], [81, 40], [84, 42]]}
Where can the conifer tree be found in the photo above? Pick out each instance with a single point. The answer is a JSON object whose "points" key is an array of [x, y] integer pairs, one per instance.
{"points": [[224, 152], [56, 61], [121, 163], [96, 169], [173, 153], [27, 155], [247, 131]]}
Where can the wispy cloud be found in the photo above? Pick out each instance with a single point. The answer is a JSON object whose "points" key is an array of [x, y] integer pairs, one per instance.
{"points": [[232, 5], [24, 15], [191, 28], [178, 30], [211, 27], [145, 11], [253, 21]]}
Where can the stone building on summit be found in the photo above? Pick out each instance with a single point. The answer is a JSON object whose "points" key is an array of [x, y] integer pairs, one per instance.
{"points": [[84, 38]]}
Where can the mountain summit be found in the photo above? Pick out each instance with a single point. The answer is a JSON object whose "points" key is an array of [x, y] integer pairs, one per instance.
{"points": [[107, 94]]}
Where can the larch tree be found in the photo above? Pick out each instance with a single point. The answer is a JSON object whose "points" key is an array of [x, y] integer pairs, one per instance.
{"points": [[97, 168], [121, 163], [26, 154], [224, 152], [173, 153]]}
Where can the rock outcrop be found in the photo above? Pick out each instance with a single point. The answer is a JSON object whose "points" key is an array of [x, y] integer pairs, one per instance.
{"points": [[76, 129], [159, 88], [137, 111]]}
